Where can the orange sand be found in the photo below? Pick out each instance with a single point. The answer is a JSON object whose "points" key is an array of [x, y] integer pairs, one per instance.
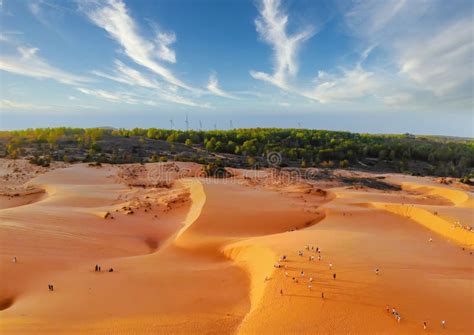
{"points": [[198, 257]]}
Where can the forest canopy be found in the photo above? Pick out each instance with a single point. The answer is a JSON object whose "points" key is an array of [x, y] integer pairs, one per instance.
{"points": [[431, 155]]}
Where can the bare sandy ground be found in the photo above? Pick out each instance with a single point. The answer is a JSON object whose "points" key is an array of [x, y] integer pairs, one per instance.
{"points": [[197, 256]]}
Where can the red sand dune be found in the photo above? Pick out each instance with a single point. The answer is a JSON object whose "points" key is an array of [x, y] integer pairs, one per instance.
{"points": [[198, 257]]}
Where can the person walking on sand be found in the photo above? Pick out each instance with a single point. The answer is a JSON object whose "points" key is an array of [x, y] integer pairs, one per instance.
{"points": [[14, 259], [322, 295], [424, 325], [377, 271], [50, 287], [334, 276], [96, 268], [443, 323], [302, 273], [281, 292], [330, 266]]}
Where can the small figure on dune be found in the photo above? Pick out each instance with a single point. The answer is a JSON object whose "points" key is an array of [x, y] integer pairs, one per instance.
{"points": [[281, 292], [309, 287], [443, 323], [334, 276], [330, 266], [319, 257], [322, 295], [377, 271], [302, 273], [430, 240], [286, 274], [14, 259], [300, 253], [50, 287], [111, 270], [310, 279], [96, 268], [424, 325]]}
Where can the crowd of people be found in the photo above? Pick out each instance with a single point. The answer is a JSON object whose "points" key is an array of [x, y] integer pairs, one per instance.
{"points": [[311, 249]]}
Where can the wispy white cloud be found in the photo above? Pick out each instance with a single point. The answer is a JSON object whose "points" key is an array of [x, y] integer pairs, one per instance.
{"points": [[13, 105], [352, 84], [27, 63], [117, 97], [10, 105], [163, 42], [180, 100], [440, 62], [398, 99], [127, 75], [213, 87], [368, 18], [430, 42], [114, 18], [272, 28]]}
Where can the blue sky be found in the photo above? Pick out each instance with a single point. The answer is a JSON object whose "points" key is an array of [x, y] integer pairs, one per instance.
{"points": [[369, 66]]}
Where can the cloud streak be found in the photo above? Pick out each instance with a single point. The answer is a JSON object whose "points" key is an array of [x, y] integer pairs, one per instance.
{"points": [[431, 45], [27, 63], [114, 18], [352, 84], [213, 87], [440, 62], [127, 75], [272, 28], [115, 97], [13, 105]]}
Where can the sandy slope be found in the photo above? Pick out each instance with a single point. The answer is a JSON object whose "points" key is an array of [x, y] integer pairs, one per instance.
{"points": [[198, 257]]}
